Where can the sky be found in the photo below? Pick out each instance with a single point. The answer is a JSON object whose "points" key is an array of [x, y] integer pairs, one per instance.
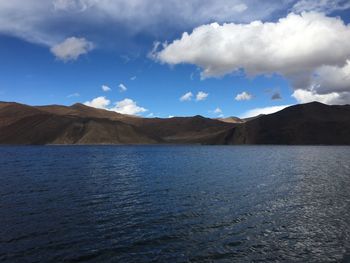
{"points": [[156, 58]]}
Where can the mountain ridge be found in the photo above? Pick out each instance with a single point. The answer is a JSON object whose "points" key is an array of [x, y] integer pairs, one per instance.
{"points": [[311, 123]]}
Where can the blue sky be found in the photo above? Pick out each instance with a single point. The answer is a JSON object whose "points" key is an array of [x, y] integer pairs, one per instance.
{"points": [[64, 51]]}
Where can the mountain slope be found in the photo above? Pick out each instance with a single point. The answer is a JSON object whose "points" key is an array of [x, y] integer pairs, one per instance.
{"points": [[231, 120], [22, 124], [80, 124], [195, 129], [312, 123]]}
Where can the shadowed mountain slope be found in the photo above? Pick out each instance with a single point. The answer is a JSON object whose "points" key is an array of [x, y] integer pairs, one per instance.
{"points": [[312, 123], [195, 129]]}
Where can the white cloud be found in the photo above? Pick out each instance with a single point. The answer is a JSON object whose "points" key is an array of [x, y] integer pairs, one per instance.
{"points": [[99, 102], [297, 47], [218, 9], [133, 78], [128, 106], [73, 95], [48, 21], [106, 88], [329, 84], [186, 97], [71, 48], [201, 96], [122, 87], [243, 96], [324, 6], [217, 111], [305, 96], [266, 110], [331, 79]]}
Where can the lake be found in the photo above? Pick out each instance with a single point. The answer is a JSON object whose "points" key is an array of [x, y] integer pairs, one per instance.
{"points": [[174, 204]]}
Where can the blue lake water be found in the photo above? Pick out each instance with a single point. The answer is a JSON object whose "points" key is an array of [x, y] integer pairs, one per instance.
{"points": [[174, 204]]}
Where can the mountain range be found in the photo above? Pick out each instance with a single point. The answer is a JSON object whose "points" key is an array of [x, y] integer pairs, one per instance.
{"points": [[304, 124]]}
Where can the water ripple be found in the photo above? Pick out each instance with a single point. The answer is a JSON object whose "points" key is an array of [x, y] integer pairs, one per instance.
{"points": [[174, 204]]}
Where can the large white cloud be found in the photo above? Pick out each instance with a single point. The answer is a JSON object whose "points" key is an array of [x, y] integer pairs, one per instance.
{"points": [[302, 48], [332, 78], [305, 96], [126, 106], [72, 48], [49, 21], [329, 84]]}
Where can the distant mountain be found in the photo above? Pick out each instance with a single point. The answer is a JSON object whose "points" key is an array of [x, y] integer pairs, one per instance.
{"points": [[231, 120], [312, 123], [80, 124]]}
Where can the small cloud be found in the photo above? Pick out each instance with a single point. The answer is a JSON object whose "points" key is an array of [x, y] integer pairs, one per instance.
{"points": [[105, 88], [243, 96], [265, 110], [125, 58], [72, 48], [186, 97], [171, 116], [201, 96], [128, 106], [192, 76], [217, 111], [122, 87], [73, 95], [133, 78], [276, 96], [151, 115], [99, 102]]}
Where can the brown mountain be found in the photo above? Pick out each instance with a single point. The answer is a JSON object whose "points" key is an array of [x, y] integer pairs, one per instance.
{"points": [[312, 123], [231, 120], [80, 124]]}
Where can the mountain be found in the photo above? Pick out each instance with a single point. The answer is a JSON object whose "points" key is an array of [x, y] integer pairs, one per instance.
{"points": [[231, 120], [312, 123], [80, 124]]}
